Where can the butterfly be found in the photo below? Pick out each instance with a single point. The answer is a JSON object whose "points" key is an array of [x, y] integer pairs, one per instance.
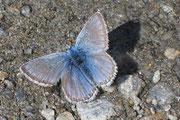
{"points": [[83, 69]]}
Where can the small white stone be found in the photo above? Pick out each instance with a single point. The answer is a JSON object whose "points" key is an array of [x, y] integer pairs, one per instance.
{"points": [[3, 75], [109, 89], [171, 53], [156, 76], [167, 107], [167, 9], [9, 84], [65, 116], [130, 87], [48, 113], [152, 110], [171, 117], [154, 102], [137, 108], [26, 11], [73, 107], [148, 100]]}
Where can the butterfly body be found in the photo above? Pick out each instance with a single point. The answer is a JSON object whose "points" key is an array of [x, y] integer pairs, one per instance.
{"points": [[82, 69], [77, 56]]}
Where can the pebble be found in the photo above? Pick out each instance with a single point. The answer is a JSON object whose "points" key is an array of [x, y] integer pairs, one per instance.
{"points": [[171, 53], [2, 31], [167, 107], [1, 16], [109, 89], [1, 60], [100, 109], [130, 86], [29, 110], [3, 117], [20, 95], [3, 76], [156, 76], [48, 113], [65, 116], [26, 11], [177, 67], [171, 117], [28, 51], [167, 9], [148, 100], [160, 93], [9, 2], [9, 84], [154, 102], [137, 108], [8, 94], [152, 110]]}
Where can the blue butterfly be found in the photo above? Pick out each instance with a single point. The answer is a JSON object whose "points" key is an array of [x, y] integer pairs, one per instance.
{"points": [[82, 69]]}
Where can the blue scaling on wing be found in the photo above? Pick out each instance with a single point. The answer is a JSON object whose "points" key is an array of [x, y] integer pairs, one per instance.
{"points": [[76, 82], [94, 40], [77, 86], [102, 68], [94, 35], [46, 70]]}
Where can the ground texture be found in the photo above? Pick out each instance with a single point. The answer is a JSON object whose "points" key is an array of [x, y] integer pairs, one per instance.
{"points": [[144, 41]]}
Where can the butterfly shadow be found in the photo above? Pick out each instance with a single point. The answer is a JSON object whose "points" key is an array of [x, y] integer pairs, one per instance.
{"points": [[121, 41]]}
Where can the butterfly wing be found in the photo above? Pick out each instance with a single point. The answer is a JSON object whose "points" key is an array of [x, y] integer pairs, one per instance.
{"points": [[46, 70], [77, 86], [102, 67], [94, 34]]}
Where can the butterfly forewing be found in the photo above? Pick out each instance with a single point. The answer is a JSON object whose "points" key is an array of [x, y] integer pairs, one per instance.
{"points": [[46, 70], [94, 34]]}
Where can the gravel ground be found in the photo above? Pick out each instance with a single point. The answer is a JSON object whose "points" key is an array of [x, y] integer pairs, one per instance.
{"points": [[144, 41]]}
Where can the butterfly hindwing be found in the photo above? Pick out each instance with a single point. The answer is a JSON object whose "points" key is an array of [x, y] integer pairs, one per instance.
{"points": [[94, 34], [46, 70], [76, 85], [102, 68]]}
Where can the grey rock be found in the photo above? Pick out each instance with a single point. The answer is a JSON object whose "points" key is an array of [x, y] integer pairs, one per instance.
{"points": [[1, 60], [3, 117], [3, 75], [172, 117], [167, 107], [161, 93], [177, 67], [29, 110], [9, 84], [156, 76], [2, 32], [8, 94], [9, 2], [65, 116], [130, 87], [28, 51], [20, 95], [26, 11], [48, 113], [171, 53], [100, 109]]}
